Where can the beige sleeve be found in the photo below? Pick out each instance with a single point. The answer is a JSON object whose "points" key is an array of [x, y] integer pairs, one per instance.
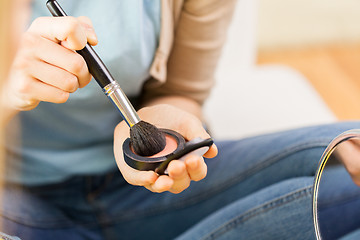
{"points": [[199, 37]]}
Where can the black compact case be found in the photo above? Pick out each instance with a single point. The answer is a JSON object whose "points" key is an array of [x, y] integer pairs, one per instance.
{"points": [[159, 164]]}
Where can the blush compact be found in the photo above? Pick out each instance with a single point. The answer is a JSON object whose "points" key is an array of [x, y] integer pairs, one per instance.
{"points": [[176, 148]]}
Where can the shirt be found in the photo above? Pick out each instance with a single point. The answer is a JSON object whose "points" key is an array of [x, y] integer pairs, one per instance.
{"points": [[190, 44], [57, 141]]}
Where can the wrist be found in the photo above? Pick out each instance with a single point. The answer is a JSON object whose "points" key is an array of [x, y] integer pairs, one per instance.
{"points": [[8, 111], [183, 103]]}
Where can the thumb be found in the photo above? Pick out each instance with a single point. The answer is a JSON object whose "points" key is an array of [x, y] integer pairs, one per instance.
{"points": [[194, 129], [131, 175]]}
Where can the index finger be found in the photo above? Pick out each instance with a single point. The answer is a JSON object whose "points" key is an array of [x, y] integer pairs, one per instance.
{"points": [[212, 152], [197, 130], [61, 29]]}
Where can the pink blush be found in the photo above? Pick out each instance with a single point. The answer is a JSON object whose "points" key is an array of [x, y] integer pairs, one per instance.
{"points": [[170, 147]]}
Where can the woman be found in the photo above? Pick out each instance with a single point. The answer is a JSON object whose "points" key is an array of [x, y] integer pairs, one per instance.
{"points": [[62, 179]]}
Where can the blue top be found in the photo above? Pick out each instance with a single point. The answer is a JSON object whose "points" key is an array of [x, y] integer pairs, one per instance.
{"points": [[60, 140]]}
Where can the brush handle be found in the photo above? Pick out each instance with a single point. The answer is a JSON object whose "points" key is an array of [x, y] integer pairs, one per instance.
{"points": [[101, 74], [96, 67]]}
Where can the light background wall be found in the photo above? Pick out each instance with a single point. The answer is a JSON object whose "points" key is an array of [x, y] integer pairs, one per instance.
{"points": [[249, 99], [293, 23]]}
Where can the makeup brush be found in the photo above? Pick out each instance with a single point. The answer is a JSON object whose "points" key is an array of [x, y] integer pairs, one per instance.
{"points": [[146, 139]]}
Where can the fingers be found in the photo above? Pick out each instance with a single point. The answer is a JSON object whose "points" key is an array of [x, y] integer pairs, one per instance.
{"points": [[54, 76], [162, 184], [62, 58], [140, 178], [180, 175], [212, 152], [89, 30], [78, 31], [191, 127], [177, 180], [45, 92], [131, 175], [149, 179], [185, 123], [42, 60], [200, 132], [178, 172], [71, 32], [196, 167]]}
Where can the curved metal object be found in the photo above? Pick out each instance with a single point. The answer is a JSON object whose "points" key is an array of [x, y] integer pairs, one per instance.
{"points": [[354, 133]]}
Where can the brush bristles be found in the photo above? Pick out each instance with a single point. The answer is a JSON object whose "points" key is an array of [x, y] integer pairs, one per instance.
{"points": [[146, 139]]}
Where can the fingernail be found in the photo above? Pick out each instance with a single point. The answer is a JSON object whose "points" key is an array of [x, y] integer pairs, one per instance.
{"points": [[93, 37], [91, 34]]}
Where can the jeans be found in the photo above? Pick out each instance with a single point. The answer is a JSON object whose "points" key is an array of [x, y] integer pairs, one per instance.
{"points": [[338, 204], [256, 188]]}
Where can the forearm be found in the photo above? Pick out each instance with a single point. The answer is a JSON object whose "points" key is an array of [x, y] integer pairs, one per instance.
{"points": [[14, 14], [7, 111], [6, 115]]}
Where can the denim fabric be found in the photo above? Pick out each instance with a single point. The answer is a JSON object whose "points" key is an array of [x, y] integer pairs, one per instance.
{"points": [[4, 236], [256, 188], [352, 236], [254, 217], [338, 202]]}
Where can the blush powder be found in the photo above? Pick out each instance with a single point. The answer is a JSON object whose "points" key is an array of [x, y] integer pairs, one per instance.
{"points": [[170, 147]]}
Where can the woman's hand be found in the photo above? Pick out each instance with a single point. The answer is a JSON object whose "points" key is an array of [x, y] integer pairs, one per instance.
{"points": [[348, 153], [46, 66], [180, 173]]}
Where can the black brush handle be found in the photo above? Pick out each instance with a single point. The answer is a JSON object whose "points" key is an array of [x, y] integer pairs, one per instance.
{"points": [[96, 67], [102, 75]]}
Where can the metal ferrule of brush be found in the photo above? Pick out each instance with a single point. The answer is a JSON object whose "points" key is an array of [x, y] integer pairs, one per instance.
{"points": [[122, 103]]}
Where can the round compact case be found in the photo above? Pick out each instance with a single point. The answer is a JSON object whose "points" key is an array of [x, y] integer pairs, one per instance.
{"points": [[176, 148]]}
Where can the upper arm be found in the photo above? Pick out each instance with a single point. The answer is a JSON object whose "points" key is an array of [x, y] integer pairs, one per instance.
{"points": [[199, 37]]}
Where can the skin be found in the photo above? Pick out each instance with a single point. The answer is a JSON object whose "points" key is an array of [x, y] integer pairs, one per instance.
{"points": [[349, 152], [180, 173], [14, 15], [47, 68]]}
